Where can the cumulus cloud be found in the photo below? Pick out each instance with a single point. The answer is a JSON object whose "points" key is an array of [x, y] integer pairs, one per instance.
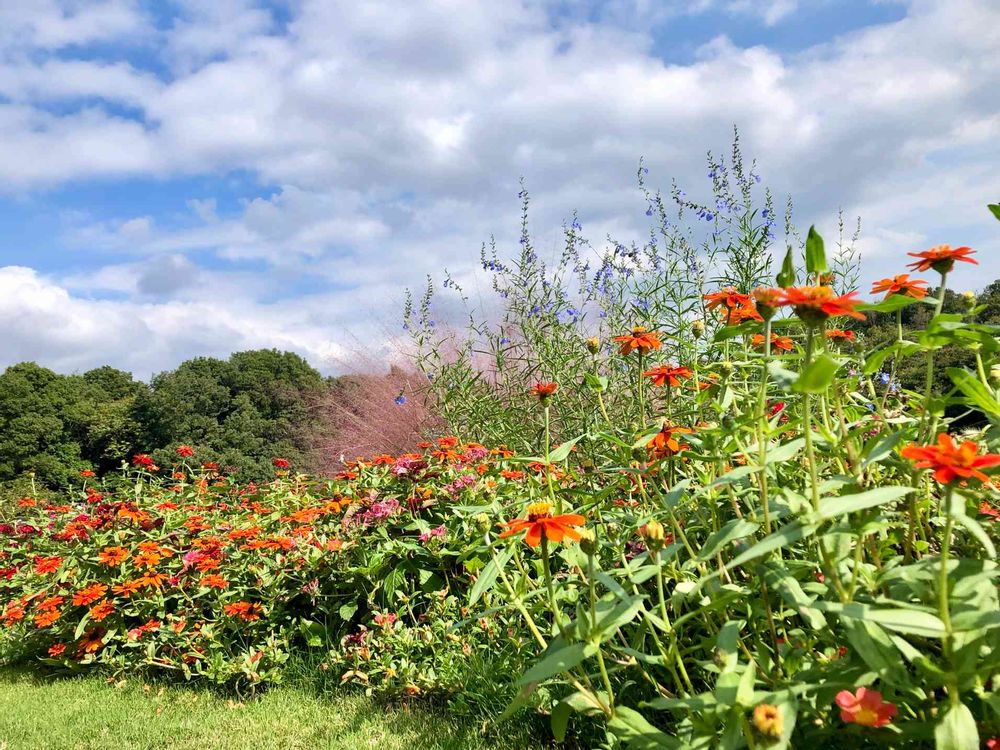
{"points": [[387, 139]]}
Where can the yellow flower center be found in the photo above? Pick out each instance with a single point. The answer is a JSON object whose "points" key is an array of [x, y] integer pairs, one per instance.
{"points": [[538, 511], [866, 717]]}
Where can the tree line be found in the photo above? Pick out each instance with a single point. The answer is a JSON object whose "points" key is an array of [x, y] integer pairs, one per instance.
{"points": [[240, 413]]}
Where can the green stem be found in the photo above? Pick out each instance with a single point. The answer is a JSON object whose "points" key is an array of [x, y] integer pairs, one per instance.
{"points": [[944, 611], [557, 504], [831, 569]]}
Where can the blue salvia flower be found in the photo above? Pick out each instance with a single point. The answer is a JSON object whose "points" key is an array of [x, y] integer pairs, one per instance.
{"points": [[400, 400]]}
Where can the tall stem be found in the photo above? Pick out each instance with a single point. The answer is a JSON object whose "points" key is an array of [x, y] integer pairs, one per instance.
{"points": [[557, 504], [829, 564], [944, 611], [930, 421]]}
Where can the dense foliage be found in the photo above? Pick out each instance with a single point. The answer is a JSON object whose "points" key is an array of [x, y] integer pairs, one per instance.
{"points": [[238, 412]]}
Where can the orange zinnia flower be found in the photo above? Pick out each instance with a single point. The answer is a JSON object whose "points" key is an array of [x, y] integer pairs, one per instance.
{"points": [[865, 707], [814, 304], [837, 334], [639, 340], [101, 610], [665, 444], [541, 521], [46, 617], [767, 300], [89, 594], [728, 298], [91, 642], [246, 611], [668, 375], [951, 461], [740, 314], [45, 565], [214, 581], [901, 284], [112, 556], [941, 258], [784, 343]]}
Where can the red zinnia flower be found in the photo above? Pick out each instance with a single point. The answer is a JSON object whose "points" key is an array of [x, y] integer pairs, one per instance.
{"points": [[951, 461], [784, 343], [86, 474], [541, 521], [837, 334], [57, 650], [143, 461], [544, 391], [941, 258], [865, 707], [280, 463], [814, 304], [668, 374], [639, 340], [184, 451], [901, 284]]}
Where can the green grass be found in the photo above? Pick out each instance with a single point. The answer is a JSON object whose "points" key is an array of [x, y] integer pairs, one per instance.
{"points": [[87, 712]]}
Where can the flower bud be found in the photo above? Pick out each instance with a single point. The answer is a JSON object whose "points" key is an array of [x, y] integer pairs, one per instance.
{"points": [[652, 534], [995, 374], [483, 522], [726, 368], [593, 345], [968, 300], [698, 328], [588, 541]]}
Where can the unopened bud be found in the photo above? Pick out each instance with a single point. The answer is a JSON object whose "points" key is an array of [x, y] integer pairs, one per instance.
{"points": [[969, 300], [995, 374], [593, 345], [588, 541], [698, 328], [483, 522], [652, 534], [726, 368]]}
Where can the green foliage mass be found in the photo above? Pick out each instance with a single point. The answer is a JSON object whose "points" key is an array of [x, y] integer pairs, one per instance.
{"points": [[239, 412], [879, 330]]}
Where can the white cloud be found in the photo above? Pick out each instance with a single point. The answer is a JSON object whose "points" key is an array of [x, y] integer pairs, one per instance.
{"points": [[390, 136]]}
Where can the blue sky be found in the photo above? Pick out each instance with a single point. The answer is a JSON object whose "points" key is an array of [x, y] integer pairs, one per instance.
{"points": [[187, 178]]}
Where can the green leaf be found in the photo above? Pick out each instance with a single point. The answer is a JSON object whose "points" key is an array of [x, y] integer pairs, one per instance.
{"points": [[910, 621], [974, 390], [786, 277], [558, 660], [891, 303], [817, 376], [815, 254], [735, 529], [883, 448], [874, 360], [347, 611], [784, 536], [835, 507], [873, 645], [597, 383], [994, 209], [636, 733], [956, 730], [560, 453], [489, 574], [560, 720]]}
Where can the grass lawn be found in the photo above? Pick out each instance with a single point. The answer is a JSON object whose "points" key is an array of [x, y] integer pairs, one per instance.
{"points": [[87, 712]]}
